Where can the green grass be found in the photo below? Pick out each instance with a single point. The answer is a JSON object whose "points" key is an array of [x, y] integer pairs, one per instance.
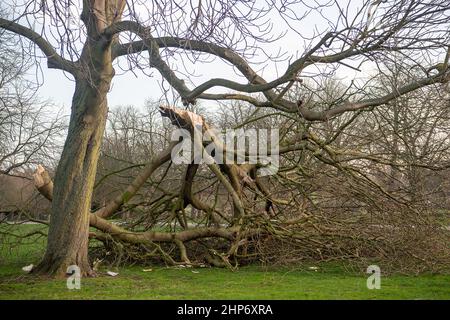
{"points": [[331, 281]]}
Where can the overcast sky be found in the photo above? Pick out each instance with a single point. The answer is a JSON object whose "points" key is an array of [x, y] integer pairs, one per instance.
{"points": [[131, 89]]}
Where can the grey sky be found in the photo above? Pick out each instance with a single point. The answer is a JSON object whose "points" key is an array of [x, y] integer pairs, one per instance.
{"points": [[128, 89]]}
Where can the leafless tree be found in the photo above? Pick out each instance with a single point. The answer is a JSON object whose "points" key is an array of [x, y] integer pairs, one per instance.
{"points": [[163, 36], [29, 128]]}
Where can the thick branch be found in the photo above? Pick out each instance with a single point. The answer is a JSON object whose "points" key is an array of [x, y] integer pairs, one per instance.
{"points": [[137, 183], [152, 46], [194, 45], [142, 237], [43, 182], [42, 179], [256, 83], [54, 60], [183, 119]]}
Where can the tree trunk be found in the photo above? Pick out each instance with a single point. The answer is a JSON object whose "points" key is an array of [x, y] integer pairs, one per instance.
{"points": [[75, 176], [74, 180]]}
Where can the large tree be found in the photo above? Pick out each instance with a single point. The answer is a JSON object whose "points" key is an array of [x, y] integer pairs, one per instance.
{"points": [[234, 32]]}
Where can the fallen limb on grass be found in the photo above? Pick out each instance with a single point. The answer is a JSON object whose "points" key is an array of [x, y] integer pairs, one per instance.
{"points": [[248, 219]]}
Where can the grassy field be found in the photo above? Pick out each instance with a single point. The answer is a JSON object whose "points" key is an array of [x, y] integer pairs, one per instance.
{"points": [[330, 281]]}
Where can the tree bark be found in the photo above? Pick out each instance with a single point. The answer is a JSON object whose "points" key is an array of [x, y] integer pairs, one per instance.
{"points": [[74, 180], [75, 176]]}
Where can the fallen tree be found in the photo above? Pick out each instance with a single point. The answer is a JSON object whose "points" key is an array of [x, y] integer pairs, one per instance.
{"points": [[91, 39], [252, 224]]}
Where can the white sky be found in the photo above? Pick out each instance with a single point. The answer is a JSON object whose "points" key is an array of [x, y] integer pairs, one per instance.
{"points": [[129, 89]]}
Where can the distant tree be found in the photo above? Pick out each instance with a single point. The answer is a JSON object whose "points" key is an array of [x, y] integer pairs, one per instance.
{"points": [[30, 129]]}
